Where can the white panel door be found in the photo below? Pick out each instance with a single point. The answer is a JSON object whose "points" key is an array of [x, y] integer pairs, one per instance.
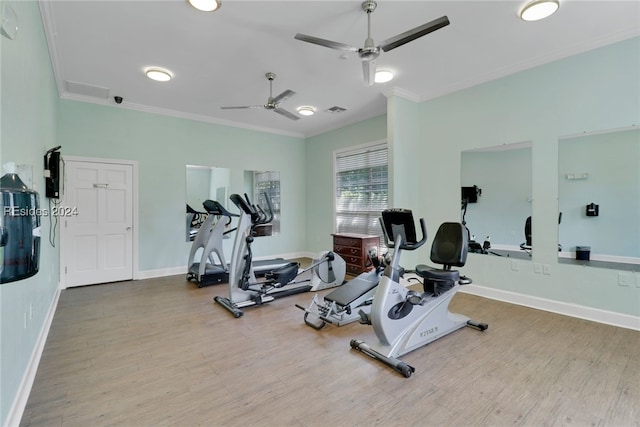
{"points": [[98, 230]]}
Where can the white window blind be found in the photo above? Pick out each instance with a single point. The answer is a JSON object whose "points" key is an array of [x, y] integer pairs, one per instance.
{"points": [[361, 189]]}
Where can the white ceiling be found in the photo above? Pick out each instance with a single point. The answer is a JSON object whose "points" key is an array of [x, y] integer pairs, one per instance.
{"points": [[220, 58]]}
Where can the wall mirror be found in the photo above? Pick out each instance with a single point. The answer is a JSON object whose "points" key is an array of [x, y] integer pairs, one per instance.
{"points": [[260, 185], [500, 177], [599, 197], [203, 183]]}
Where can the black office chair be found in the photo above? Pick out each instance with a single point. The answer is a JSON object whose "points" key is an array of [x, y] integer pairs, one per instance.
{"points": [[449, 248]]}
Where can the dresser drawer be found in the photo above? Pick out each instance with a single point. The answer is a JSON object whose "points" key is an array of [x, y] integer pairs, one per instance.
{"points": [[347, 241], [346, 251], [355, 250], [354, 270]]}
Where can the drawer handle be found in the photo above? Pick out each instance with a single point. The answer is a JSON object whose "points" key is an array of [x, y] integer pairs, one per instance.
{"points": [[354, 251]]}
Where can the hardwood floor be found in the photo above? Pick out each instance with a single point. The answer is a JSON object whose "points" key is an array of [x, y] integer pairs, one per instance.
{"points": [[160, 352]]}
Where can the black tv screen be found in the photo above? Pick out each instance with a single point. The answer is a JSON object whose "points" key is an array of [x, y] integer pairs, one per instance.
{"points": [[470, 194]]}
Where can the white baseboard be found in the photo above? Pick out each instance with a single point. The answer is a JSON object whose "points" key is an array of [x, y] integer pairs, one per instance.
{"points": [[22, 396], [559, 307], [161, 272], [174, 271]]}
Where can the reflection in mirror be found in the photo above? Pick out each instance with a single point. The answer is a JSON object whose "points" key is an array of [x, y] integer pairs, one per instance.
{"points": [[502, 179], [260, 185], [599, 197], [203, 183]]}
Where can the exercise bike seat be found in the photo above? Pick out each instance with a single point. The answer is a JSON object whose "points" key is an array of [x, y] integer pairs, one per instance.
{"points": [[449, 249], [431, 273]]}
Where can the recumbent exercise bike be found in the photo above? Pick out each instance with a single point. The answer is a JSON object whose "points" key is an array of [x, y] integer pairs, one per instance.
{"points": [[405, 319]]}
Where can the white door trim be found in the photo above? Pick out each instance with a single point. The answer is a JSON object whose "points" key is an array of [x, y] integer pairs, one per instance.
{"points": [[134, 166]]}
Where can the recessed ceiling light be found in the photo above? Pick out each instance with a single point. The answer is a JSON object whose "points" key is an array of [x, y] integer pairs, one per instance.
{"points": [[306, 111], [539, 9], [206, 5], [158, 74], [383, 76]]}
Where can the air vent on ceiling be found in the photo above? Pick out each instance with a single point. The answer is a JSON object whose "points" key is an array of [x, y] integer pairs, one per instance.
{"points": [[336, 109], [86, 90]]}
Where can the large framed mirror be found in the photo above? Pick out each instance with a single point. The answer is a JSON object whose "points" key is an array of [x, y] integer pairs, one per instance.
{"points": [[215, 183], [260, 186], [496, 198], [204, 183], [599, 197]]}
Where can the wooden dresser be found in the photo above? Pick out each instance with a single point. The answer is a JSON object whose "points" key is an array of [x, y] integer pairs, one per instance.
{"points": [[355, 250]]}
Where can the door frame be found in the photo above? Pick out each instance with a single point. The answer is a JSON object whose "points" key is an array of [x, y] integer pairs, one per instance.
{"points": [[134, 167]]}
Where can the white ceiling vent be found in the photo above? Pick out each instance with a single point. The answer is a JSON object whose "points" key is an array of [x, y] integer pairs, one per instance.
{"points": [[86, 90], [335, 109]]}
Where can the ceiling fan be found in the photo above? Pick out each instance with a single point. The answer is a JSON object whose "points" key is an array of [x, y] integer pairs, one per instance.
{"points": [[370, 51], [272, 103]]}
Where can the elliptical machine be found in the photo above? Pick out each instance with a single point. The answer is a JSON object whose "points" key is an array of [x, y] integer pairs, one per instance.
{"points": [[209, 270], [328, 269], [404, 319]]}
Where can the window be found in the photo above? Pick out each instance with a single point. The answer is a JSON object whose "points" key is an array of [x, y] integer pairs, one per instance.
{"points": [[361, 189]]}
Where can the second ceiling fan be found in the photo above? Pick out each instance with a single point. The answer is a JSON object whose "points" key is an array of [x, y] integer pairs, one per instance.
{"points": [[370, 51]]}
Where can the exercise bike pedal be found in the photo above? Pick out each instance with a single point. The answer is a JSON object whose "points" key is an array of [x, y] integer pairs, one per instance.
{"points": [[477, 325]]}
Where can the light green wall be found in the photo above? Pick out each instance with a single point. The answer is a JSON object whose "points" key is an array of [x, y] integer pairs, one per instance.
{"points": [[505, 180], [589, 92], [320, 176], [611, 160], [593, 91], [163, 146], [28, 128]]}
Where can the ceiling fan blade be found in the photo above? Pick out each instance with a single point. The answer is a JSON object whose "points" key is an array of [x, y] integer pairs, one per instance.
{"points": [[369, 72], [242, 107], [325, 43], [285, 113], [413, 34], [284, 95]]}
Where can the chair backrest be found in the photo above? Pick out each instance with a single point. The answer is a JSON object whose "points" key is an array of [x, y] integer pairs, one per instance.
{"points": [[527, 231], [450, 245]]}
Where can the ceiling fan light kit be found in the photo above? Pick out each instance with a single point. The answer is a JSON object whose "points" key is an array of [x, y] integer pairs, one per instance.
{"points": [[206, 5], [539, 9], [158, 74], [383, 76], [306, 110], [370, 51]]}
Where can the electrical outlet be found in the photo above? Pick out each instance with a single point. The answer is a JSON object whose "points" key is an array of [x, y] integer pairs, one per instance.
{"points": [[537, 268], [624, 279], [515, 265], [546, 269]]}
